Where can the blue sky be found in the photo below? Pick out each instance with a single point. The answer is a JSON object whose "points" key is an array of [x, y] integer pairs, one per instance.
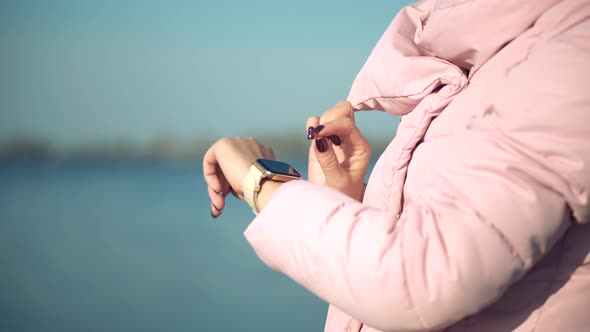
{"points": [[76, 71]]}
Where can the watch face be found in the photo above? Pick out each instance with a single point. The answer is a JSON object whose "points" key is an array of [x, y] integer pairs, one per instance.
{"points": [[278, 167]]}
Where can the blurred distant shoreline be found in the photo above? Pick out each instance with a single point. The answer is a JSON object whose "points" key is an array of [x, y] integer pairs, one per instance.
{"points": [[167, 150], [158, 150]]}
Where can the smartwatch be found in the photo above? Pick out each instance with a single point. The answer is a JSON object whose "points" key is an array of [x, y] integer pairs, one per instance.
{"points": [[263, 170]]}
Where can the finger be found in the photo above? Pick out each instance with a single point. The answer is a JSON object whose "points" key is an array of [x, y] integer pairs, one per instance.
{"points": [[335, 140], [217, 184], [213, 194], [217, 200], [312, 121], [343, 128], [215, 211], [342, 109], [211, 170], [310, 125], [327, 159]]}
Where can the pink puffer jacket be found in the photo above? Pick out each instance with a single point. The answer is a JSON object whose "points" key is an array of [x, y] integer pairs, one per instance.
{"points": [[476, 216]]}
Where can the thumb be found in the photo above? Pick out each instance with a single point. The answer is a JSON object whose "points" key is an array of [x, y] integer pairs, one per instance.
{"points": [[327, 159]]}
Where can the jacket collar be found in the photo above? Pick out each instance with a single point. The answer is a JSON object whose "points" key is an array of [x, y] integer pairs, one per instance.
{"points": [[469, 32]]}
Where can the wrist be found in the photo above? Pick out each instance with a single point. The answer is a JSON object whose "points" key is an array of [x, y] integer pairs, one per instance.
{"points": [[269, 172], [267, 189]]}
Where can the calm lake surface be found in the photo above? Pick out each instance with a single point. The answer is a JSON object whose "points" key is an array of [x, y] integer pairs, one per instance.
{"points": [[132, 247]]}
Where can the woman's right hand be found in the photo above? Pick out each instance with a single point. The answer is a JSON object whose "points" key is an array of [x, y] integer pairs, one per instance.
{"points": [[339, 155]]}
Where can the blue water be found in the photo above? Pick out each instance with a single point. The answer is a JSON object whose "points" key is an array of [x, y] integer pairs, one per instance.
{"points": [[133, 248]]}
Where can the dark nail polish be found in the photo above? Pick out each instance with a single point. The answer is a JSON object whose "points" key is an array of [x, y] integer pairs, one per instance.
{"points": [[318, 129], [335, 139], [310, 134], [321, 144], [216, 208], [220, 193], [212, 215]]}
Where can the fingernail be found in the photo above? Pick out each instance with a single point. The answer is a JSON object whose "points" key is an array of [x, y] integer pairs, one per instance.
{"points": [[216, 208], [310, 133], [335, 139], [321, 144], [214, 216], [318, 129], [220, 193]]}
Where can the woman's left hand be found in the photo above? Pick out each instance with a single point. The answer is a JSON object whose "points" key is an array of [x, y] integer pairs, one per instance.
{"points": [[226, 164]]}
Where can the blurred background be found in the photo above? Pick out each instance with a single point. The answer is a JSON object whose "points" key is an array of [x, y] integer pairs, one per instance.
{"points": [[106, 109]]}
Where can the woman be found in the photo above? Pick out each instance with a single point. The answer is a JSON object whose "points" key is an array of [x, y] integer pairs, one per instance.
{"points": [[475, 218]]}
